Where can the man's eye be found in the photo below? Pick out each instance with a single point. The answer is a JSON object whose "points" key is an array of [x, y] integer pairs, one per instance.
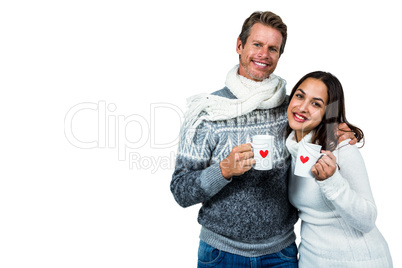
{"points": [[257, 45]]}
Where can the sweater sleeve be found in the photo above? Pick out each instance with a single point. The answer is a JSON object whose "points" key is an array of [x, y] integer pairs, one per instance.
{"points": [[349, 190], [196, 177]]}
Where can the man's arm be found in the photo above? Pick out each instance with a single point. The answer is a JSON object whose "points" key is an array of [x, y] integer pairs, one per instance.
{"points": [[344, 133], [196, 178]]}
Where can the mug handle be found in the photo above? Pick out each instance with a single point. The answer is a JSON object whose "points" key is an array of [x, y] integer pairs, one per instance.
{"points": [[321, 155]]}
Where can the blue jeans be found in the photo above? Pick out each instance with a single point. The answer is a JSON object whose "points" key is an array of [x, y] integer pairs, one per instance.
{"points": [[211, 257]]}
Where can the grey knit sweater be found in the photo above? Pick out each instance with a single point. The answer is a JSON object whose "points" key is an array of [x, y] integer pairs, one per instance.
{"points": [[249, 215]]}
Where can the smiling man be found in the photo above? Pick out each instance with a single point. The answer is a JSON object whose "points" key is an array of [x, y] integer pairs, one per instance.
{"points": [[260, 52], [246, 218]]}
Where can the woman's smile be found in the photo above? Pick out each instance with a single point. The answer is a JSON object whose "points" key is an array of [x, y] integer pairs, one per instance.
{"points": [[299, 118]]}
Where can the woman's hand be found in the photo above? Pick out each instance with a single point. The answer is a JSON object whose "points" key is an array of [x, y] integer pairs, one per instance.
{"points": [[325, 166]]}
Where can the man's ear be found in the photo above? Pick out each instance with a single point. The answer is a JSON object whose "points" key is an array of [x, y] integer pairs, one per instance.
{"points": [[239, 46]]}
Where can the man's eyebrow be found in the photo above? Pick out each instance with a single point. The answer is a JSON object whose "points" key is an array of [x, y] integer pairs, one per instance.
{"points": [[262, 42], [256, 41]]}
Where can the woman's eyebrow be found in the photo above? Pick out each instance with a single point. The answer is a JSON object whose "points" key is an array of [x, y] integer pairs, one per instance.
{"points": [[317, 99]]}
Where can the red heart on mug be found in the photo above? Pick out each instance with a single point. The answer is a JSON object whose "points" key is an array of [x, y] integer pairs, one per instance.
{"points": [[304, 159], [264, 153]]}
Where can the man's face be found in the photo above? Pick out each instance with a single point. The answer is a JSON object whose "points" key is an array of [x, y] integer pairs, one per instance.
{"points": [[260, 54]]}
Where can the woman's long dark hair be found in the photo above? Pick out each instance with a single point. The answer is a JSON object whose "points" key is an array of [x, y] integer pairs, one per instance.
{"points": [[326, 132]]}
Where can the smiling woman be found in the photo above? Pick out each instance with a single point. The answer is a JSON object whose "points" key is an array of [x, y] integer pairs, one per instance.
{"points": [[307, 107], [337, 208], [317, 103]]}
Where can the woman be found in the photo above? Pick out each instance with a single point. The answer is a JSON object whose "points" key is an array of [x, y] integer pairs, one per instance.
{"points": [[337, 208]]}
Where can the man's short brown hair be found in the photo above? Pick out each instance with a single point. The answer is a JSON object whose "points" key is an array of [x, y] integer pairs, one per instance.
{"points": [[266, 18]]}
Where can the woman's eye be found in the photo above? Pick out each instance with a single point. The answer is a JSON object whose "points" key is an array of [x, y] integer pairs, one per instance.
{"points": [[316, 104], [299, 96]]}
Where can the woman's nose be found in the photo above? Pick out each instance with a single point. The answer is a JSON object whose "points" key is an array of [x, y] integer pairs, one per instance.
{"points": [[303, 106]]}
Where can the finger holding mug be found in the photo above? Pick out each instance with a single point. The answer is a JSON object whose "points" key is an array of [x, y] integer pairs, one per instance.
{"points": [[237, 162], [325, 166]]}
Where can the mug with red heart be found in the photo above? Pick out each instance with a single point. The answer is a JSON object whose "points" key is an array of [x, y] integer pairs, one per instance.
{"points": [[263, 150], [307, 155]]}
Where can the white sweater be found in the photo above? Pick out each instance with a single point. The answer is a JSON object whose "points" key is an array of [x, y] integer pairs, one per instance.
{"points": [[338, 214]]}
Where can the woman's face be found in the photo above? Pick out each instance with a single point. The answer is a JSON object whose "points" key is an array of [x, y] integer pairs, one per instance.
{"points": [[307, 106]]}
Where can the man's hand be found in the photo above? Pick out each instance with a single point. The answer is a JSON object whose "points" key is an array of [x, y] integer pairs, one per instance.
{"points": [[344, 133], [238, 161]]}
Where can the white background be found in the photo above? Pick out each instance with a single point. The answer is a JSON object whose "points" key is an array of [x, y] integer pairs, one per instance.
{"points": [[110, 206]]}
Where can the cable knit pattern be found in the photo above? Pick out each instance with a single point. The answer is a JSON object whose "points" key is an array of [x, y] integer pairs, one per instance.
{"points": [[249, 215], [338, 214]]}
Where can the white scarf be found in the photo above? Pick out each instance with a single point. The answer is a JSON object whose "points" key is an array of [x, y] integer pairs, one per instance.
{"points": [[293, 145], [251, 95]]}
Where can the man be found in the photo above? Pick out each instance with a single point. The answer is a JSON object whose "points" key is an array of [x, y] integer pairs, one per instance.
{"points": [[246, 217]]}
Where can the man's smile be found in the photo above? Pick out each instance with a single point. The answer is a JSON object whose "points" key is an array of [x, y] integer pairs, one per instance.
{"points": [[260, 64]]}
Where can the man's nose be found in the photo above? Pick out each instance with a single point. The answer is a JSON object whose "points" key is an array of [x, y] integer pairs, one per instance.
{"points": [[263, 53]]}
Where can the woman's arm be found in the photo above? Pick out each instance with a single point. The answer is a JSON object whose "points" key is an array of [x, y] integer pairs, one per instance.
{"points": [[348, 189]]}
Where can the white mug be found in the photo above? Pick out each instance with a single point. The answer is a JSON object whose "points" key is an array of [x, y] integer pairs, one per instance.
{"points": [[263, 148], [307, 155]]}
